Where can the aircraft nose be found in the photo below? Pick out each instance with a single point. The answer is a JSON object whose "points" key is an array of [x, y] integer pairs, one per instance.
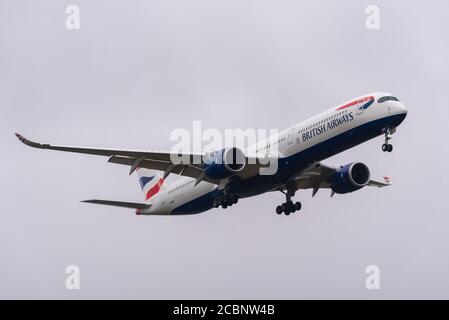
{"points": [[400, 112], [402, 109], [398, 108]]}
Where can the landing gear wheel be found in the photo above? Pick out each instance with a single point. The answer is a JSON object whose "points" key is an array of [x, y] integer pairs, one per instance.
{"points": [[390, 148], [225, 201], [283, 207], [288, 206], [279, 210], [384, 147]]}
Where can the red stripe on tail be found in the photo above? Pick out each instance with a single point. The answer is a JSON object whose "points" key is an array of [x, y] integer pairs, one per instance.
{"points": [[154, 189]]}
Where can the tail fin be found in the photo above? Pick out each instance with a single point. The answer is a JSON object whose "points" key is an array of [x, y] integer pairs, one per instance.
{"points": [[151, 183]]}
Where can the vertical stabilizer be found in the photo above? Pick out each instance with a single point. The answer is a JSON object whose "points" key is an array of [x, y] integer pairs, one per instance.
{"points": [[151, 183]]}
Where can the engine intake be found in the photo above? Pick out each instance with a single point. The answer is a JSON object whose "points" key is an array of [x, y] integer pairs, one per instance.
{"points": [[350, 178], [224, 163]]}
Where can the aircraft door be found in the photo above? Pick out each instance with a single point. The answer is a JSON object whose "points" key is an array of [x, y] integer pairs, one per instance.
{"points": [[291, 133]]}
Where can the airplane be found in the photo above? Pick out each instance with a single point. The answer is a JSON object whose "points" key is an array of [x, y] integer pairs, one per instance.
{"points": [[220, 180]]}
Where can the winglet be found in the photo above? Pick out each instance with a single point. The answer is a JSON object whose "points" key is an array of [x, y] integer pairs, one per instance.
{"points": [[20, 137], [31, 143]]}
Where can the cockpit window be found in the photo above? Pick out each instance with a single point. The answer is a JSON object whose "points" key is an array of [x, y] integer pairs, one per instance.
{"points": [[387, 98]]}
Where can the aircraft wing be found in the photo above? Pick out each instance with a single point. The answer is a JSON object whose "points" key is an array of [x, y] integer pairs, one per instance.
{"points": [[318, 176], [134, 158], [191, 165]]}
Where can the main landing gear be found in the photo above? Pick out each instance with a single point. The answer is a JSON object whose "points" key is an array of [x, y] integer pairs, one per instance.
{"points": [[288, 206], [387, 147], [225, 201]]}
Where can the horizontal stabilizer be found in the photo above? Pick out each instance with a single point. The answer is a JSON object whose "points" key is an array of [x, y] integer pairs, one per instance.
{"points": [[131, 205], [387, 182]]}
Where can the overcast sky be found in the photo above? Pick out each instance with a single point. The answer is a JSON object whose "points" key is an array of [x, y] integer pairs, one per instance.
{"points": [[136, 70]]}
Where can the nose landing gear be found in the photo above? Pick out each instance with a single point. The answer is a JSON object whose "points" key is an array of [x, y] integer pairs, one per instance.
{"points": [[387, 147], [288, 206]]}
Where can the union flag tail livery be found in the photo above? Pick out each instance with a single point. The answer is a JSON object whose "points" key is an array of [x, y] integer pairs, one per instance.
{"points": [[221, 178], [151, 183]]}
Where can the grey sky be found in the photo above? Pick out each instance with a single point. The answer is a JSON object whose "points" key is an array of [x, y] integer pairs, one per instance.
{"points": [[138, 69]]}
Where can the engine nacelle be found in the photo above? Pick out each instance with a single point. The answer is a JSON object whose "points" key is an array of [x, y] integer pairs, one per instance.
{"points": [[350, 178], [224, 163]]}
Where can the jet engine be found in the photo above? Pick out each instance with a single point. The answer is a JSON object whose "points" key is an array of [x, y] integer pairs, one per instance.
{"points": [[224, 163], [350, 178]]}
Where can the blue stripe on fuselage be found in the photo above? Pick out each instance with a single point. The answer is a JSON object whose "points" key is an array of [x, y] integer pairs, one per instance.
{"points": [[291, 165], [199, 204]]}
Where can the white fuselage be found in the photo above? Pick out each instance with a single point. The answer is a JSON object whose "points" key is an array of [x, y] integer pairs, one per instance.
{"points": [[290, 141]]}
